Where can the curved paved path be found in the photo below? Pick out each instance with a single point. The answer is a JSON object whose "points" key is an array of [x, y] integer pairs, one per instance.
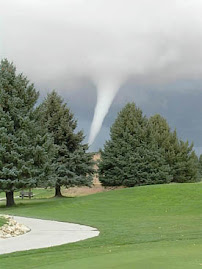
{"points": [[46, 233]]}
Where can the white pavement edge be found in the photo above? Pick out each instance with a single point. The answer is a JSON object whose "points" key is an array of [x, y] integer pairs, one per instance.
{"points": [[46, 233]]}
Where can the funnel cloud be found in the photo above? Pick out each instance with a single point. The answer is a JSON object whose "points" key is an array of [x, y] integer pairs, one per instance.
{"points": [[104, 41], [106, 91]]}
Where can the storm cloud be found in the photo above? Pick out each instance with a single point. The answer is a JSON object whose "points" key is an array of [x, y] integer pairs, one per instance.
{"points": [[108, 44]]}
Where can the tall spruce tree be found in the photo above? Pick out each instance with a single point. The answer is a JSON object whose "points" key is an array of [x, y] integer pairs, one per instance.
{"points": [[185, 168], [162, 134], [131, 156], [23, 150], [178, 154], [200, 166], [73, 165]]}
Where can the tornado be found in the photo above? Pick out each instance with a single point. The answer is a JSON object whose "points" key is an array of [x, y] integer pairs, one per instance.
{"points": [[106, 92], [105, 42]]}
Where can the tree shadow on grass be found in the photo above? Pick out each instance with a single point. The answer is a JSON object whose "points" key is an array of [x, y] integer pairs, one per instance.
{"points": [[34, 202]]}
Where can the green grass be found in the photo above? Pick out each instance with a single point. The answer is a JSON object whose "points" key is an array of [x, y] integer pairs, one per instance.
{"points": [[38, 193], [154, 227], [2, 221]]}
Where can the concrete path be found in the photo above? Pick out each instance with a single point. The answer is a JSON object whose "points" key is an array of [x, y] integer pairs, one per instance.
{"points": [[46, 233]]}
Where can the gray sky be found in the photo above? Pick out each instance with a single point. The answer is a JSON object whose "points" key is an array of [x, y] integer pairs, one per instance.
{"points": [[179, 102], [144, 51]]}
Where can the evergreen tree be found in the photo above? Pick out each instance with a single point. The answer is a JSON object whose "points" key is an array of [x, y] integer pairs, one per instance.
{"points": [[178, 154], [23, 150], [185, 168], [73, 165], [131, 157], [161, 132], [200, 166]]}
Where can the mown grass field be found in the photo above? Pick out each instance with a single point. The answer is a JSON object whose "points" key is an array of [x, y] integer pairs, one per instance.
{"points": [[144, 227]]}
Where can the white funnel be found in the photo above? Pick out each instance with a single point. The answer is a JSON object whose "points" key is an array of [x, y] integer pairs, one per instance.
{"points": [[106, 91]]}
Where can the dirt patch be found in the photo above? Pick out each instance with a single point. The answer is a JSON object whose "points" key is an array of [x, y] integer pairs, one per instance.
{"points": [[82, 191], [97, 187]]}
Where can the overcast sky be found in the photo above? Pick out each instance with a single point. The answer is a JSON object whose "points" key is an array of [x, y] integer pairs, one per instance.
{"points": [[178, 102], [149, 52]]}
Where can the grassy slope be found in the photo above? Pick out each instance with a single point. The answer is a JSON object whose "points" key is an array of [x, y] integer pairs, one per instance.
{"points": [[144, 227]]}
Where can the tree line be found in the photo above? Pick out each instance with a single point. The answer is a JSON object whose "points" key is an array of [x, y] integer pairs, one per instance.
{"points": [[39, 145], [143, 151]]}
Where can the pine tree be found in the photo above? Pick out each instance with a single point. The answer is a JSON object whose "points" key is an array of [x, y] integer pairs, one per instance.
{"points": [[165, 139], [200, 166], [23, 150], [178, 154], [131, 156], [73, 165], [185, 168]]}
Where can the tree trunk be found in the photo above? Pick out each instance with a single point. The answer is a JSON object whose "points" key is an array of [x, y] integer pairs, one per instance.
{"points": [[58, 191], [9, 199]]}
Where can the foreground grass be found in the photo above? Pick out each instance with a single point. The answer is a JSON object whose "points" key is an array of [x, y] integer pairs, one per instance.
{"points": [[144, 227]]}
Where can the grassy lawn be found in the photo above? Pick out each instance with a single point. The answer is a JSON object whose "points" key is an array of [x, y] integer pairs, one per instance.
{"points": [[154, 227], [38, 193]]}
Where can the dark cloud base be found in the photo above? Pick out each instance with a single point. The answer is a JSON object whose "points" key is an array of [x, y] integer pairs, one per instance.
{"points": [[179, 103]]}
